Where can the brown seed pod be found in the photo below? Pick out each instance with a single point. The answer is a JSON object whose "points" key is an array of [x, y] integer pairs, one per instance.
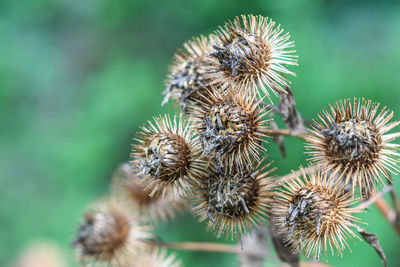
{"points": [[110, 235], [251, 53], [127, 185], [350, 140], [157, 258], [166, 153], [185, 79], [231, 127], [315, 214], [231, 201]]}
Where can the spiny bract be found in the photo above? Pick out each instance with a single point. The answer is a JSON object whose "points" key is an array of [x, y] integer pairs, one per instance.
{"points": [[351, 140], [166, 153], [251, 53], [314, 213], [112, 233], [231, 201], [231, 127]]}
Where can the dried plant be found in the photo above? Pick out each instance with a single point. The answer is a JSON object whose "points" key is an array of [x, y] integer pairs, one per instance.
{"points": [[231, 127], [251, 53], [166, 153], [233, 201], [215, 159], [315, 214], [126, 184], [111, 234], [351, 140], [185, 80]]}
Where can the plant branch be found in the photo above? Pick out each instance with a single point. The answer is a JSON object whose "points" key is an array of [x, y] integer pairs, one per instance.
{"points": [[222, 248], [210, 247], [396, 205], [285, 132], [389, 214], [375, 197]]}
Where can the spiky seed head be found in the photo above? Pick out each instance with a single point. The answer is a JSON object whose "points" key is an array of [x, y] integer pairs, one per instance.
{"points": [[166, 153], [251, 53], [157, 258], [127, 185], [111, 234], [231, 201], [185, 79], [315, 214], [231, 127], [351, 140]]}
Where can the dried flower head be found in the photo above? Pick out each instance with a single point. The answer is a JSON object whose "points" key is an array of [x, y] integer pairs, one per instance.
{"points": [[251, 53], [315, 214], [126, 184], [185, 79], [157, 258], [110, 234], [166, 154], [231, 127], [350, 139], [232, 201]]}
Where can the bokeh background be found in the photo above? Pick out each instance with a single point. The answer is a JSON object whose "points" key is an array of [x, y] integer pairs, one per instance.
{"points": [[77, 78]]}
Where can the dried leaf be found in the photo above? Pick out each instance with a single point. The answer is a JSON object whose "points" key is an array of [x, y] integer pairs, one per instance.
{"points": [[278, 139], [396, 206], [283, 251], [255, 240], [373, 240], [287, 107]]}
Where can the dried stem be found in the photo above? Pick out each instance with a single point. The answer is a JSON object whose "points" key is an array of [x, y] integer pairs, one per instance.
{"points": [[222, 248], [396, 206], [210, 247], [375, 197], [389, 214], [285, 132]]}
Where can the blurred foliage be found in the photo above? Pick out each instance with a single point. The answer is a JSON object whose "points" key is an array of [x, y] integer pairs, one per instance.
{"points": [[77, 78]]}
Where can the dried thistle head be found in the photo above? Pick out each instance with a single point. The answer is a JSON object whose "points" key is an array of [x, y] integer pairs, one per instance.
{"points": [[231, 127], [232, 201], [127, 185], [315, 214], [111, 234], [166, 153], [185, 80], [351, 140], [251, 53], [157, 258]]}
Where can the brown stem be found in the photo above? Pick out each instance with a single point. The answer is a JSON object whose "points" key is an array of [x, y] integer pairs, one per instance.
{"points": [[396, 206], [388, 212], [210, 247], [383, 207], [375, 197], [285, 132], [222, 248]]}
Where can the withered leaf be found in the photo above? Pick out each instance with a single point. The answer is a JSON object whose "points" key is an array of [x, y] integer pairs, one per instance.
{"points": [[255, 240], [373, 240], [287, 107], [278, 139], [283, 251]]}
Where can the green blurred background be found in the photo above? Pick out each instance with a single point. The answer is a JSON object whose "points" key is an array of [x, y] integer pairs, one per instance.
{"points": [[77, 78]]}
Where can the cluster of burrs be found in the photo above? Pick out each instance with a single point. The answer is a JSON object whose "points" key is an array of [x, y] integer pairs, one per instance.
{"points": [[212, 156]]}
